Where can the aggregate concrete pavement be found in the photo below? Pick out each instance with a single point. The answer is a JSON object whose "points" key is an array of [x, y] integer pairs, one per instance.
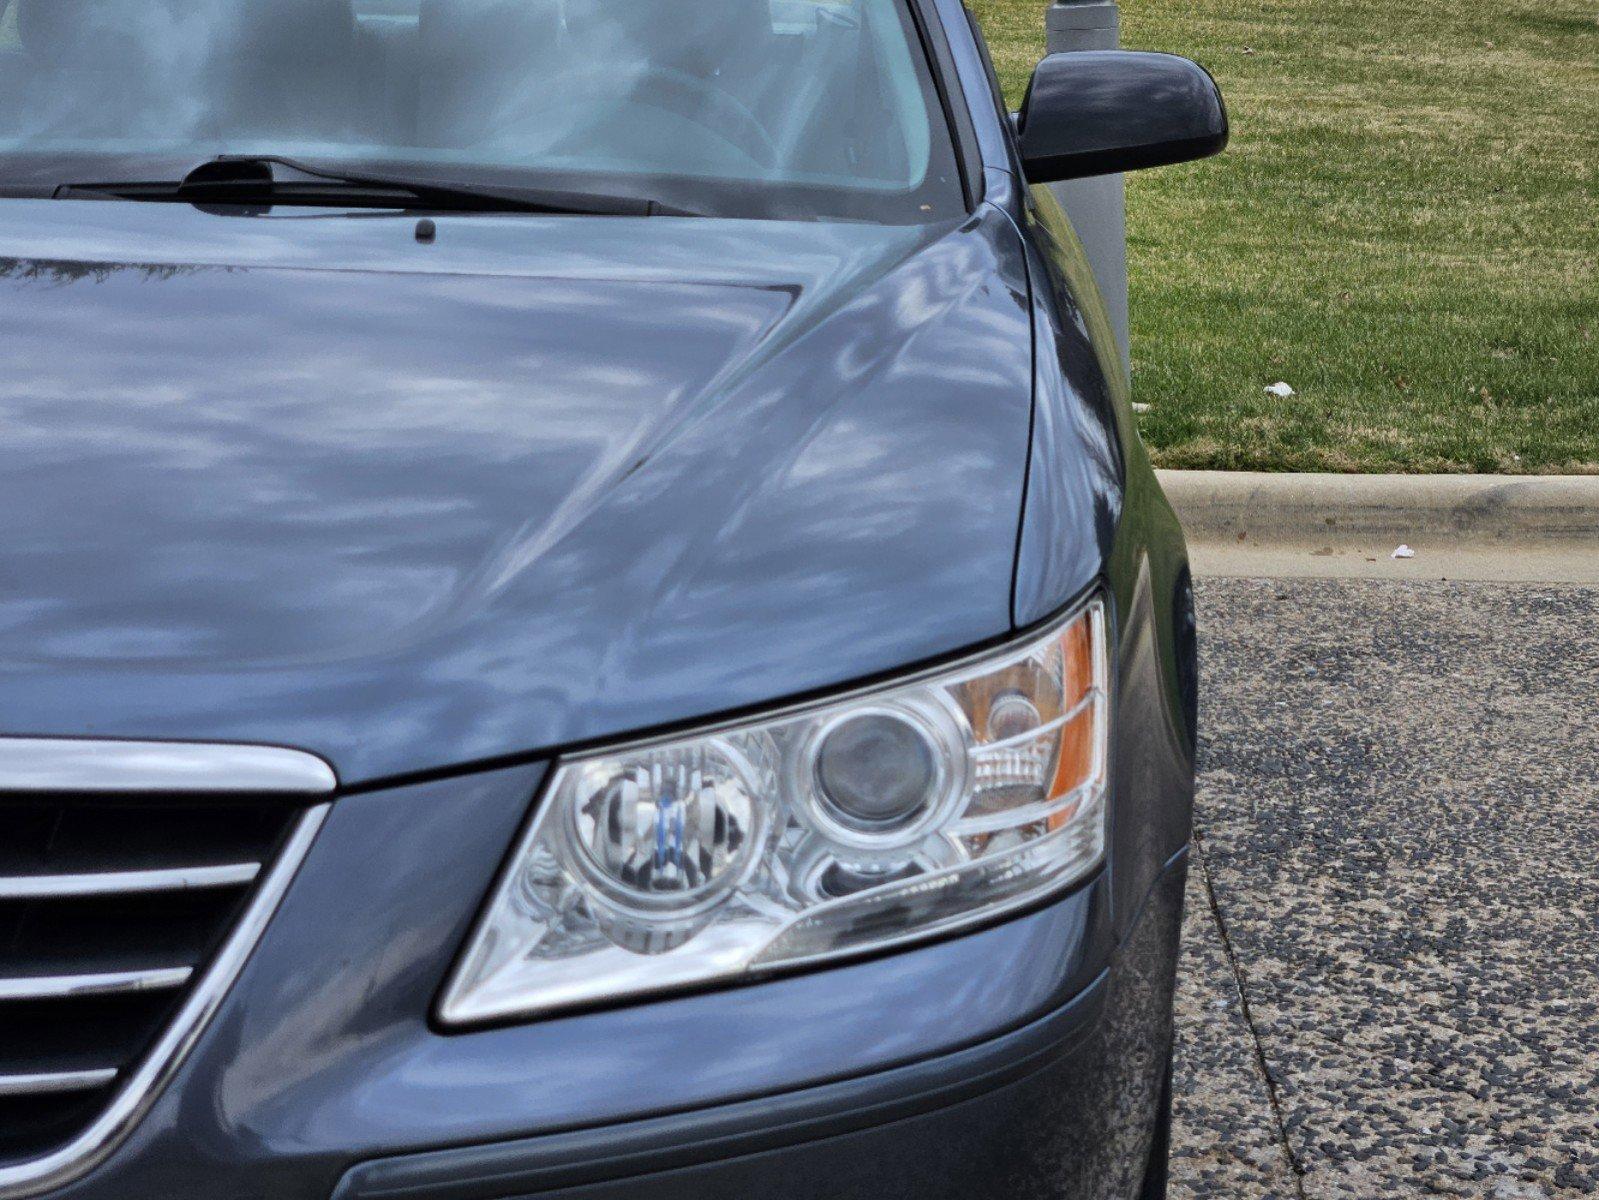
{"points": [[1391, 969]]}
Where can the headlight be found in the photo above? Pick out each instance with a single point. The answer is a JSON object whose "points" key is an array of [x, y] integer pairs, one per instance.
{"points": [[885, 818]]}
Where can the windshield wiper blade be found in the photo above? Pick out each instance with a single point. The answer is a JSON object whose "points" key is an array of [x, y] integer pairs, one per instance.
{"points": [[251, 179]]}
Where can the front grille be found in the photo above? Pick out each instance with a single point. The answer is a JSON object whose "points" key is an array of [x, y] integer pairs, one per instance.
{"points": [[108, 910], [123, 910]]}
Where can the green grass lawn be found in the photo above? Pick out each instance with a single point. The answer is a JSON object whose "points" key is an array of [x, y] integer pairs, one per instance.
{"points": [[1405, 229]]}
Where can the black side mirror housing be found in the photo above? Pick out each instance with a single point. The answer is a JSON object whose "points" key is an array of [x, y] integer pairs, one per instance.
{"points": [[1101, 112]]}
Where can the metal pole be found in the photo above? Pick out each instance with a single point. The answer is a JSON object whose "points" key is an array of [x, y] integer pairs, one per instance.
{"points": [[1097, 207]]}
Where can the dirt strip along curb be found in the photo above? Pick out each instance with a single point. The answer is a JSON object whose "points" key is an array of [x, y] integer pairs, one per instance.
{"points": [[1226, 506]]}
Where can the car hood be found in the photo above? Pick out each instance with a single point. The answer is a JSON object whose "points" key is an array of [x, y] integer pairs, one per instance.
{"points": [[300, 479]]}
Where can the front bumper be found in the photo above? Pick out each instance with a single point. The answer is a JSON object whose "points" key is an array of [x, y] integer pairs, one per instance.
{"points": [[1022, 1060]]}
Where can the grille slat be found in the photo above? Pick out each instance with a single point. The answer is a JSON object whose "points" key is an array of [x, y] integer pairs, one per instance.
{"points": [[93, 935], [56, 1082], [64, 987], [118, 883], [85, 1033]]}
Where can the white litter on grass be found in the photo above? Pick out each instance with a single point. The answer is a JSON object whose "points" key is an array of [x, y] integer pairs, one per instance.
{"points": [[1281, 390], [1141, 408], [1404, 552]]}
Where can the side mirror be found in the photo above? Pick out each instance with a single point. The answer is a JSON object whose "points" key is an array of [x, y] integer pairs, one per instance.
{"points": [[1101, 112]]}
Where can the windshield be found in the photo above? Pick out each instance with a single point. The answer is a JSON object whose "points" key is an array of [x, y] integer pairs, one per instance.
{"points": [[776, 108]]}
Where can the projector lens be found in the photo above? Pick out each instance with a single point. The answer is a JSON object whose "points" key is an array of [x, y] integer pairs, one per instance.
{"points": [[877, 771]]}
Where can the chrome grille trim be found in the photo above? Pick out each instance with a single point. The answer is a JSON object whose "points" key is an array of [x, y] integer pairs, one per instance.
{"points": [[104, 983], [109, 883], [142, 1082], [73, 765], [55, 1082], [108, 983]]}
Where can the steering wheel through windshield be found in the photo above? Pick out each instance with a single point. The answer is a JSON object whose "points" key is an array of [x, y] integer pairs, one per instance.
{"points": [[708, 105], [700, 101]]}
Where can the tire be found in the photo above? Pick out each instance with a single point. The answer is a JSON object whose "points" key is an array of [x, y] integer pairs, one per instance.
{"points": [[1155, 1173]]}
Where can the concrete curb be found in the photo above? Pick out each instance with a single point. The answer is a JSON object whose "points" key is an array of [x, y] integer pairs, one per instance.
{"points": [[1247, 506]]}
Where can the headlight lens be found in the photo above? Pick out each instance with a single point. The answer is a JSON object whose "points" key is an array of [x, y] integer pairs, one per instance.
{"points": [[885, 818]]}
